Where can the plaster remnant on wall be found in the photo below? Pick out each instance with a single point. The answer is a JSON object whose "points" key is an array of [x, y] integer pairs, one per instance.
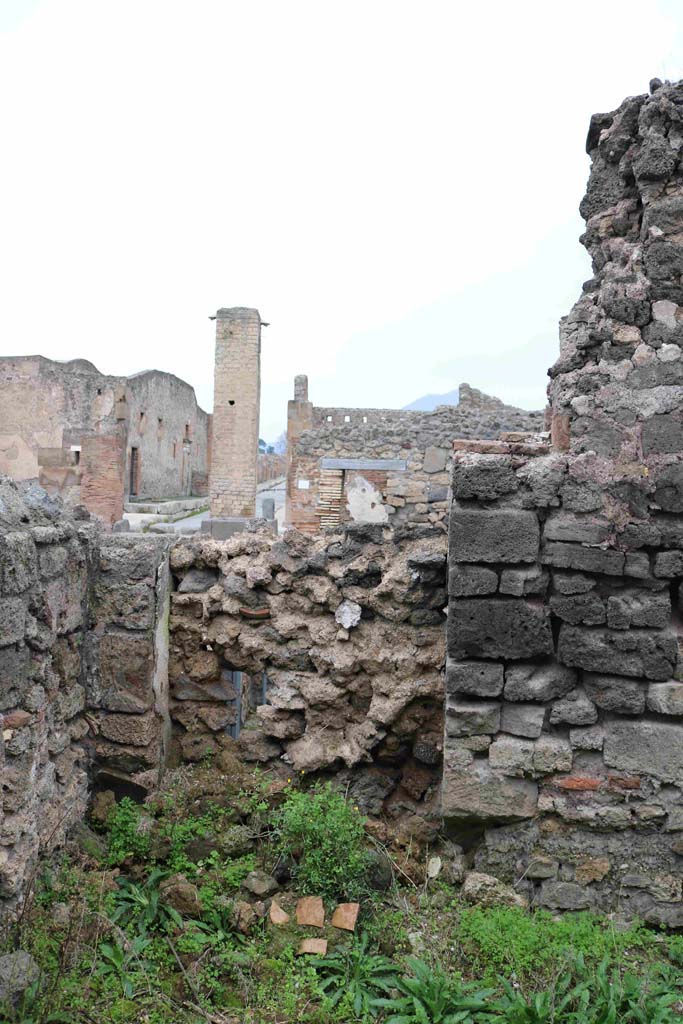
{"points": [[364, 502]]}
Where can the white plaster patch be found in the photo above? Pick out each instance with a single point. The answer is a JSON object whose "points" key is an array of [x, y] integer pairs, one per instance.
{"points": [[364, 502]]}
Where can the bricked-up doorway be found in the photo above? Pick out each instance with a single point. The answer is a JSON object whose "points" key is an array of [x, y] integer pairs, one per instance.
{"points": [[134, 471]]}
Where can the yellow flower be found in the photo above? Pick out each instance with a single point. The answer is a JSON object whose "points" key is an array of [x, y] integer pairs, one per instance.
{"points": [[289, 780]]}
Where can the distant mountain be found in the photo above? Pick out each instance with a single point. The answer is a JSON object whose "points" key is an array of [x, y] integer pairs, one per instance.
{"points": [[429, 402]]}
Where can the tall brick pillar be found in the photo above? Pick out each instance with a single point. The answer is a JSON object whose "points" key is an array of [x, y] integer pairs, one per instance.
{"points": [[299, 503], [235, 425]]}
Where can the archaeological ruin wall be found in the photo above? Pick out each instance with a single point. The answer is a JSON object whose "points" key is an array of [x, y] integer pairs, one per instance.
{"points": [[83, 671], [564, 715], [382, 465], [341, 641], [97, 440]]}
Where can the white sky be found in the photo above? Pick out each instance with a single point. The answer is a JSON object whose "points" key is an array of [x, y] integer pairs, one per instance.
{"points": [[393, 184]]}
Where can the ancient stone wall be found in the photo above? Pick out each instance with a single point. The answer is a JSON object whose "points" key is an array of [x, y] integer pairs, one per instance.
{"points": [[342, 638], [381, 465], [50, 410], [83, 675], [564, 717]]}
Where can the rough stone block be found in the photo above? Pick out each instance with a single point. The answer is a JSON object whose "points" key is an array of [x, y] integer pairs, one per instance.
{"points": [[639, 608], [637, 565], [665, 698], [12, 620], [576, 529], [615, 693], [628, 653], [520, 582], [18, 563], [551, 754], [577, 608], [126, 666], [538, 682], [668, 564], [493, 536], [645, 748], [478, 793], [511, 756], [136, 730], [484, 477], [587, 738], [498, 628], [574, 709], [572, 583], [662, 434], [574, 556], [565, 896], [435, 459], [523, 719], [669, 489], [471, 581], [478, 678], [14, 679], [471, 718]]}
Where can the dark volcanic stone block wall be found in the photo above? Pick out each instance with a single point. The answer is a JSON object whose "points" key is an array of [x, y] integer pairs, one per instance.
{"points": [[564, 718], [564, 709]]}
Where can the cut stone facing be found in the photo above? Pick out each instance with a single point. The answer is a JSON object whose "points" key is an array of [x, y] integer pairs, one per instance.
{"points": [[498, 628], [628, 653], [478, 678], [493, 536]]}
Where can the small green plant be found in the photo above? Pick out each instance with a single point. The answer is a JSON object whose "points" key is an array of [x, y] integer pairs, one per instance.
{"points": [[324, 833], [126, 835], [125, 965], [358, 975], [141, 906], [430, 996], [504, 940]]}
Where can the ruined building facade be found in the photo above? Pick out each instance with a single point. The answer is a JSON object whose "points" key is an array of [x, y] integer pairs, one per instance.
{"points": [[99, 440], [540, 725], [382, 465]]}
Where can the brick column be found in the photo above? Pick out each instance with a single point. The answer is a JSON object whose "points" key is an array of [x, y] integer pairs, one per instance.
{"points": [[235, 425], [299, 504]]}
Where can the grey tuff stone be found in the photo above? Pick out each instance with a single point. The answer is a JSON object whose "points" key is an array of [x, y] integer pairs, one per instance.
{"points": [[498, 628], [574, 556], [484, 477], [471, 718], [615, 693], [645, 748], [478, 678], [196, 581], [471, 581], [523, 719], [493, 536], [479, 793], [665, 698], [577, 608], [538, 682], [572, 583], [587, 738], [520, 582], [574, 709], [581, 530], [628, 653]]}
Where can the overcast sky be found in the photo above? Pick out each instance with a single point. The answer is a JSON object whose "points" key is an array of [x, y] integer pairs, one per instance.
{"points": [[393, 184]]}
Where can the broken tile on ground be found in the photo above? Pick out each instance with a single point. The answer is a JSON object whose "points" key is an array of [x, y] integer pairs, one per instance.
{"points": [[345, 916], [310, 911], [317, 946]]}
